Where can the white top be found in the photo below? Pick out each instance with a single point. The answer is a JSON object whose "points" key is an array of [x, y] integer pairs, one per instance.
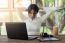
{"points": [[33, 26]]}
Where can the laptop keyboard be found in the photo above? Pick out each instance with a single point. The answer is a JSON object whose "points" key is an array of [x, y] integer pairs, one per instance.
{"points": [[32, 37]]}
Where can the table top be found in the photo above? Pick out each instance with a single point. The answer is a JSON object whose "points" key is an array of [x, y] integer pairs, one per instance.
{"points": [[4, 39]]}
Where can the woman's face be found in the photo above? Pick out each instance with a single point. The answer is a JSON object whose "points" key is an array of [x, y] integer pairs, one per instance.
{"points": [[32, 14]]}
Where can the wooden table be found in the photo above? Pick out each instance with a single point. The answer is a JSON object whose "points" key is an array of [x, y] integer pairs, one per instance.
{"points": [[4, 39]]}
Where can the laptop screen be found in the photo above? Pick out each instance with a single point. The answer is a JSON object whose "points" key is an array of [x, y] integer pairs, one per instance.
{"points": [[16, 30]]}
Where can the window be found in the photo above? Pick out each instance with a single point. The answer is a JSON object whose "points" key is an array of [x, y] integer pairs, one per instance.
{"points": [[8, 12], [21, 3], [3, 3]]}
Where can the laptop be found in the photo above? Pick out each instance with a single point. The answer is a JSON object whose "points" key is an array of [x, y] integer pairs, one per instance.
{"points": [[18, 30]]}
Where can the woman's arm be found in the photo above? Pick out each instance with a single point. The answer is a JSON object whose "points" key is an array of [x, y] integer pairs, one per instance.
{"points": [[45, 16], [48, 11]]}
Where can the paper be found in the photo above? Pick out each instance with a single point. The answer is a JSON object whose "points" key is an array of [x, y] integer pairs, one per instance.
{"points": [[48, 39]]}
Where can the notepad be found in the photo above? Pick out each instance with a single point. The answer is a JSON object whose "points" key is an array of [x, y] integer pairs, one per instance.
{"points": [[48, 39]]}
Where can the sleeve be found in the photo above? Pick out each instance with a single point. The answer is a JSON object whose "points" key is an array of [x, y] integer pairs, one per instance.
{"points": [[45, 16]]}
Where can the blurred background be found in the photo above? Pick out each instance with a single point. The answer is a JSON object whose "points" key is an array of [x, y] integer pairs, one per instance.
{"points": [[9, 13]]}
